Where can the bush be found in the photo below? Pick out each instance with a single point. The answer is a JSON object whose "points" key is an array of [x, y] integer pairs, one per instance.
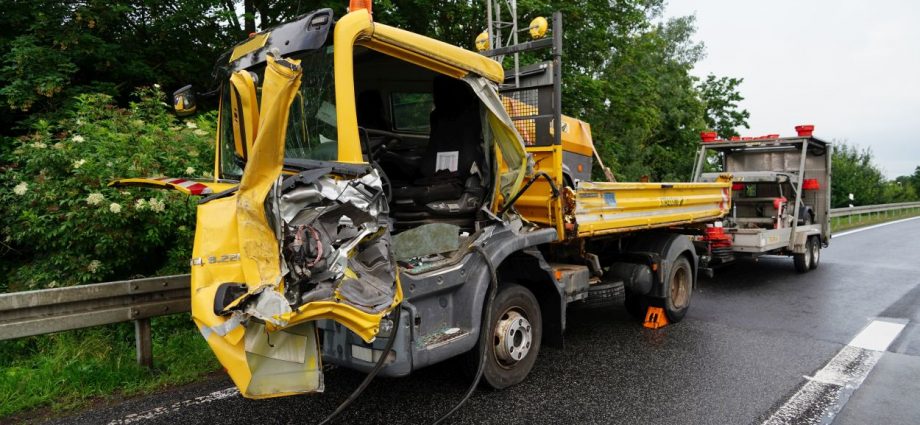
{"points": [[61, 224]]}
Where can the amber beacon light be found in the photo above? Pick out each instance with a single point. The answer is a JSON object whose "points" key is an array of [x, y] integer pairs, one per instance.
{"points": [[354, 5]]}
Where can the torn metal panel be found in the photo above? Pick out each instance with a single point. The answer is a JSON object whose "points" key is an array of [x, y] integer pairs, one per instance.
{"points": [[337, 247], [259, 249]]}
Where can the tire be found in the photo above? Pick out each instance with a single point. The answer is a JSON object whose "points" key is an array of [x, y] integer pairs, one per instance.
{"points": [[680, 289], [803, 261], [514, 343], [815, 252]]}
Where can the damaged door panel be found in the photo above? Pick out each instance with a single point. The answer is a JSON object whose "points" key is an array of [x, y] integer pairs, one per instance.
{"points": [[286, 250]]}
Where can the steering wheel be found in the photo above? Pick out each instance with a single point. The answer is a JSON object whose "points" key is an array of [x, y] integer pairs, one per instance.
{"points": [[385, 183], [373, 153]]}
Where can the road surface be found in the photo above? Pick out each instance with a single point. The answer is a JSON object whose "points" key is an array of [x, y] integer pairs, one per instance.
{"points": [[760, 344]]}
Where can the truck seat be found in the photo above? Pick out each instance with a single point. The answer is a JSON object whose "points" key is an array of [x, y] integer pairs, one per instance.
{"points": [[449, 182]]}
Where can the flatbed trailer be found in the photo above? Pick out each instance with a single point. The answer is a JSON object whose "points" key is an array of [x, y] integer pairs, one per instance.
{"points": [[385, 212], [780, 198]]}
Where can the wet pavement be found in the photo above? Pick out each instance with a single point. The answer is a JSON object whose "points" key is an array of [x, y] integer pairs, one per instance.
{"points": [[752, 336]]}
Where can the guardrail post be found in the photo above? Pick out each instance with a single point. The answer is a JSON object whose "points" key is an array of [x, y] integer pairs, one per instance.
{"points": [[143, 342]]}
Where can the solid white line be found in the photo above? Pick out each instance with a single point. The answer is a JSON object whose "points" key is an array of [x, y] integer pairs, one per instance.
{"points": [[824, 395], [878, 335], [175, 407], [862, 229]]}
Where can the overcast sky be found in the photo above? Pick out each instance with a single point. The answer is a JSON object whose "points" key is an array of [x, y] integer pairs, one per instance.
{"points": [[850, 67]]}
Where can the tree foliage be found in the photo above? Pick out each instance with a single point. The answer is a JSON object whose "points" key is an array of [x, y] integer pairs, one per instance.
{"points": [[626, 70], [60, 222], [854, 171], [721, 96]]}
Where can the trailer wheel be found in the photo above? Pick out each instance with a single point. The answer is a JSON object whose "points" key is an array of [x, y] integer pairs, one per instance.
{"points": [[680, 289], [815, 252], [803, 261], [516, 330]]}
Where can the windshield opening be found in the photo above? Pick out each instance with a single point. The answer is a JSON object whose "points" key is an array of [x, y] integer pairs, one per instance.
{"points": [[311, 132]]}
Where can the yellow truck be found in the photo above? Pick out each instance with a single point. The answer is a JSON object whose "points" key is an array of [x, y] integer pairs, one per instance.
{"points": [[379, 204]]}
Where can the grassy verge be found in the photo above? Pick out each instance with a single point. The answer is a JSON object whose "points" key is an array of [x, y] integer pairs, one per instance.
{"points": [[68, 369], [839, 224]]}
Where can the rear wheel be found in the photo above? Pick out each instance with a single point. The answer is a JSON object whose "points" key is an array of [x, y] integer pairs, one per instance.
{"points": [[515, 334], [815, 252], [803, 261], [680, 289]]}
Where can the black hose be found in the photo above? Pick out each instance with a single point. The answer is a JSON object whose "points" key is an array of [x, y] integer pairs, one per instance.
{"points": [[484, 332], [373, 373], [537, 175]]}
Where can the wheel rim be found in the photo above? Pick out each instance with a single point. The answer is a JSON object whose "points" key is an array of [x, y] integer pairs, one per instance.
{"points": [[815, 253], [513, 337], [680, 288], [808, 254]]}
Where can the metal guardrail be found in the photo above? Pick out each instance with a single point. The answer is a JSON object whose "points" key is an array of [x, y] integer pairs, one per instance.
{"points": [[59, 309], [874, 209]]}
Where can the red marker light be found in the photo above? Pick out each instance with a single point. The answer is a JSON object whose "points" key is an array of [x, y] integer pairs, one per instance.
{"points": [[804, 130]]}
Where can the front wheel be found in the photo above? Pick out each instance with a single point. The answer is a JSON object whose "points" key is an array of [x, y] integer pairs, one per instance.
{"points": [[514, 343], [680, 288]]}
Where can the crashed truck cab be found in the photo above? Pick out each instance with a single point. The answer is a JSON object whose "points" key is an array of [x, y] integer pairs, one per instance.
{"points": [[328, 200]]}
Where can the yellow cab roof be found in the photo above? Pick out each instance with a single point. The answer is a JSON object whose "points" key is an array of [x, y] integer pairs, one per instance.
{"points": [[440, 51]]}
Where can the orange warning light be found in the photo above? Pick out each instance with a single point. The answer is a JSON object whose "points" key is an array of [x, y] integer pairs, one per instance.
{"points": [[354, 5]]}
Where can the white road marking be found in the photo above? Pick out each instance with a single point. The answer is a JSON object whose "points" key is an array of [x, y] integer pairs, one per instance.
{"points": [[861, 229], [878, 335], [823, 395], [175, 407]]}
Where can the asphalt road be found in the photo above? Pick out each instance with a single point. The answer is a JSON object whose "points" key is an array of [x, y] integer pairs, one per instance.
{"points": [[753, 335]]}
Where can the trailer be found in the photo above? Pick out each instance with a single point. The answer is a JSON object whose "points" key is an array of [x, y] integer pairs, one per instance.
{"points": [[384, 206], [780, 198]]}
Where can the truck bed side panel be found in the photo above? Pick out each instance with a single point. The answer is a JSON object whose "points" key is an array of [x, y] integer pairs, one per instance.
{"points": [[605, 208]]}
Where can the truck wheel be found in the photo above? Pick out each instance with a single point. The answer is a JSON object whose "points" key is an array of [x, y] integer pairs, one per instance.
{"points": [[516, 331], [803, 261], [680, 288], [815, 252]]}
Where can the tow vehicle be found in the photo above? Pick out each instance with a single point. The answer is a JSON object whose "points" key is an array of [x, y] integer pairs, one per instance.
{"points": [[376, 206], [781, 197]]}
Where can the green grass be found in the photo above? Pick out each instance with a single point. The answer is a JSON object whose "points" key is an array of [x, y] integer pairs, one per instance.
{"points": [[843, 223], [69, 369]]}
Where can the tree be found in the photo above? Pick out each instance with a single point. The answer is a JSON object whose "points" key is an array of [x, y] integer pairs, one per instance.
{"points": [[62, 49], [855, 172], [721, 97], [914, 179]]}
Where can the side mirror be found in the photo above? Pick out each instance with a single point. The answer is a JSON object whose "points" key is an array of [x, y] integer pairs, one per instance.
{"points": [[184, 101]]}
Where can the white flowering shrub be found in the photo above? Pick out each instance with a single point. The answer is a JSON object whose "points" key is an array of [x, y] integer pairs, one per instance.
{"points": [[60, 223]]}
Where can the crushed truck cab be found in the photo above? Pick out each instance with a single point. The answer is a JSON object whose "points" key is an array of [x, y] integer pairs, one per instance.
{"points": [[382, 200]]}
